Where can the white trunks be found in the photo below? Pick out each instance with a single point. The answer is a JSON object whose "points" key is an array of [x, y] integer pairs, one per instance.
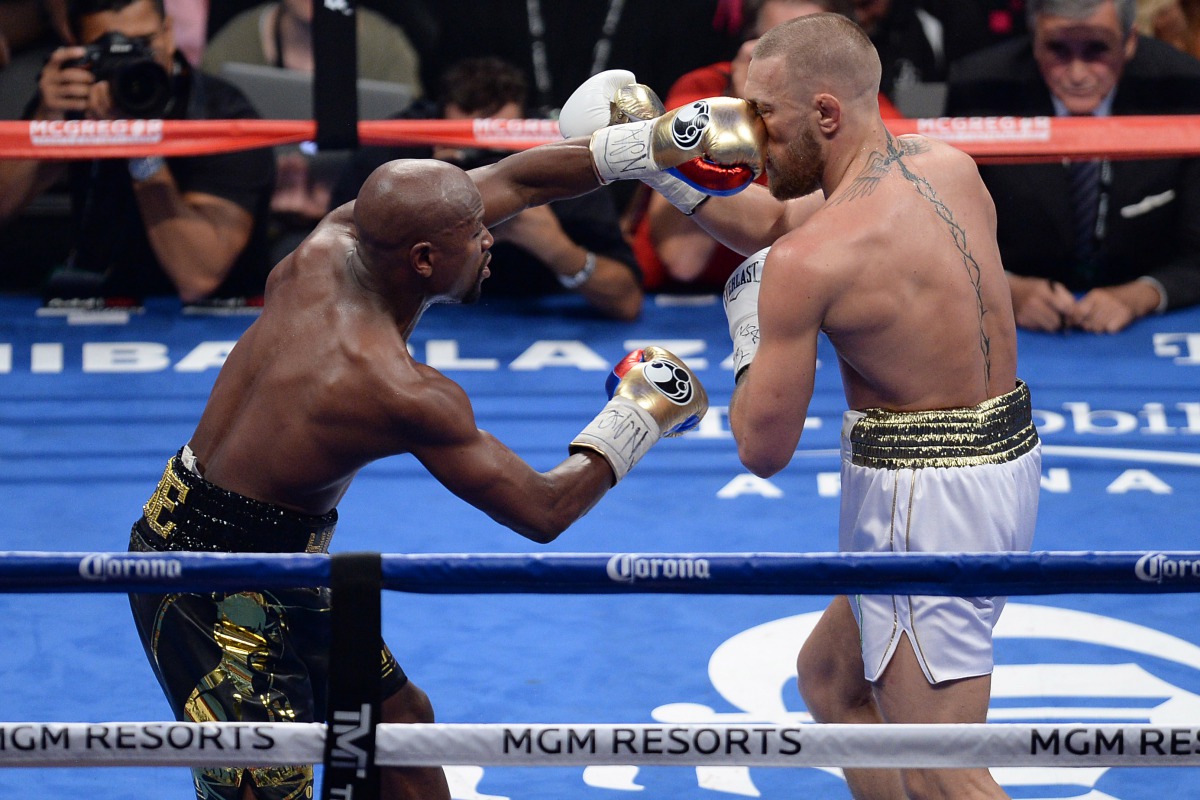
{"points": [[959, 480]]}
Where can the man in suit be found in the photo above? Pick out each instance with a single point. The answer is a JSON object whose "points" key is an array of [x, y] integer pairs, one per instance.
{"points": [[1092, 245]]}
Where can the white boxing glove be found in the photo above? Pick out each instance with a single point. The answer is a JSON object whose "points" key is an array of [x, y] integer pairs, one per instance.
{"points": [[614, 97], [741, 307], [607, 98]]}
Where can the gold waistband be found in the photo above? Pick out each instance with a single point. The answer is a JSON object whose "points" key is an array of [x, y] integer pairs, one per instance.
{"points": [[993, 432], [186, 512]]}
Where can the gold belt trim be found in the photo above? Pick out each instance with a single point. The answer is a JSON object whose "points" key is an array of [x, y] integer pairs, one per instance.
{"points": [[994, 432], [189, 513]]}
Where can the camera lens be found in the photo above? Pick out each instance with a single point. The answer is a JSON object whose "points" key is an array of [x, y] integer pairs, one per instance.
{"points": [[142, 88]]}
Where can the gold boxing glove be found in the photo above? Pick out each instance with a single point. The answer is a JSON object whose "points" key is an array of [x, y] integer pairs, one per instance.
{"points": [[715, 145], [653, 395]]}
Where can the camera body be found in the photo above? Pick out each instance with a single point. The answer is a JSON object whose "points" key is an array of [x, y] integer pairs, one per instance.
{"points": [[140, 86]]}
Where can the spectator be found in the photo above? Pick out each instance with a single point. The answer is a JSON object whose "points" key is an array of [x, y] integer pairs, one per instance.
{"points": [[22, 25], [29, 31], [1168, 20], [1191, 14], [191, 26], [1133, 246], [280, 34], [560, 44], [1005, 18], [675, 254], [917, 40], [573, 244], [192, 226]]}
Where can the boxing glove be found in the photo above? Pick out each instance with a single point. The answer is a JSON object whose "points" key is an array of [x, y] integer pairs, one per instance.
{"points": [[740, 299], [614, 97], [607, 98], [653, 394], [722, 137]]}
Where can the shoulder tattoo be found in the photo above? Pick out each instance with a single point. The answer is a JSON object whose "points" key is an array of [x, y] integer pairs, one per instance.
{"points": [[878, 166]]}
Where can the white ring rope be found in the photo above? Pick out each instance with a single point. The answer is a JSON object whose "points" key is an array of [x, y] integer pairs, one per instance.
{"points": [[242, 744]]}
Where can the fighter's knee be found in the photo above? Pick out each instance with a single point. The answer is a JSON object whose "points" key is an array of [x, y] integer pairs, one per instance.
{"points": [[828, 691], [410, 704], [808, 679]]}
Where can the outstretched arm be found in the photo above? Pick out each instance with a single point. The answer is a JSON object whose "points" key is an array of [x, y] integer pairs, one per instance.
{"points": [[534, 177], [652, 395], [482, 470]]}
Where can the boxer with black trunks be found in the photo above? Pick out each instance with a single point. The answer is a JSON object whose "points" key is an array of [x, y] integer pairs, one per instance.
{"points": [[321, 384]]}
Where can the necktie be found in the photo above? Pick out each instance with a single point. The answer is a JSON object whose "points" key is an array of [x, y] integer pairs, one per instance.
{"points": [[1085, 204]]}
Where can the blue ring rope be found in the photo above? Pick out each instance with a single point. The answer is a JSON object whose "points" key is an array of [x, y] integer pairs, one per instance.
{"points": [[948, 574]]}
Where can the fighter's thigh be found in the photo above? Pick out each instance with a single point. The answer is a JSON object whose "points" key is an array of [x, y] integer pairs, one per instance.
{"points": [[408, 704], [830, 662], [904, 694]]}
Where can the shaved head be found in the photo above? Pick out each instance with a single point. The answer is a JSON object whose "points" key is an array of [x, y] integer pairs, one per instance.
{"points": [[411, 200], [824, 53], [420, 228]]}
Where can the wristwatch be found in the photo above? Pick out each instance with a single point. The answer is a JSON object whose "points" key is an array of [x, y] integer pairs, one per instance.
{"points": [[141, 169]]}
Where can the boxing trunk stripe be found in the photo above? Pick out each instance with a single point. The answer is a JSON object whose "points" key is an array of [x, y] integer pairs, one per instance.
{"points": [[994, 432]]}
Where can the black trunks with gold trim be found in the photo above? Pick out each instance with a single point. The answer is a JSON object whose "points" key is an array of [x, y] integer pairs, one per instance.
{"points": [[994, 432], [187, 512]]}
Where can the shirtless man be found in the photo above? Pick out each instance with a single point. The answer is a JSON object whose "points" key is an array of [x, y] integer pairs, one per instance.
{"points": [[319, 386], [895, 261]]}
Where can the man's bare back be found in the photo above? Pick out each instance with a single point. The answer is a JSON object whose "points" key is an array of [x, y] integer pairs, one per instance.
{"points": [[914, 296], [308, 382]]}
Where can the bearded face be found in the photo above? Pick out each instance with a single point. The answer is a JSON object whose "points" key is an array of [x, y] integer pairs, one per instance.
{"points": [[795, 169]]}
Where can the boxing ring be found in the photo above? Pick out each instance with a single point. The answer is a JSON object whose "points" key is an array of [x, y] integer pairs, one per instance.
{"points": [[560, 658], [787, 739]]}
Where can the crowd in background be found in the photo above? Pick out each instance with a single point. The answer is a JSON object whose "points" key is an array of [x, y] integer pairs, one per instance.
{"points": [[1139, 254]]}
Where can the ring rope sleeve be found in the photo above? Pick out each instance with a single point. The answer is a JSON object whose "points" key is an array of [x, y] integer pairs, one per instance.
{"points": [[804, 744], [993, 140], [938, 574]]}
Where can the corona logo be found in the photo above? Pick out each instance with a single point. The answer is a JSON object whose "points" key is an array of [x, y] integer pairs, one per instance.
{"points": [[103, 567]]}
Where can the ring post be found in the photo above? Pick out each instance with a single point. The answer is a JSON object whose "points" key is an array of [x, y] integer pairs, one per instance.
{"points": [[352, 709]]}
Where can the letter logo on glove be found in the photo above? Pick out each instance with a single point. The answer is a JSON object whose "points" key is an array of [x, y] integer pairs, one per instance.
{"points": [[672, 380], [748, 274], [741, 307]]}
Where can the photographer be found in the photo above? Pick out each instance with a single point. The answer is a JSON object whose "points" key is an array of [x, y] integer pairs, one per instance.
{"points": [[192, 226]]}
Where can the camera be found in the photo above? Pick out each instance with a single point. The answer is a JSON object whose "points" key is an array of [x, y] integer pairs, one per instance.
{"points": [[140, 86]]}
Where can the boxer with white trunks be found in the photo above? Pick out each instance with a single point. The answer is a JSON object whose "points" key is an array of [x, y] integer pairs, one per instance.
{"points": [[886, 246], [963, 480]]}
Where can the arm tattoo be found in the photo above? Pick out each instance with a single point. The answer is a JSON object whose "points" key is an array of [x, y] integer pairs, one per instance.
{"points": [[877, 167]]}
